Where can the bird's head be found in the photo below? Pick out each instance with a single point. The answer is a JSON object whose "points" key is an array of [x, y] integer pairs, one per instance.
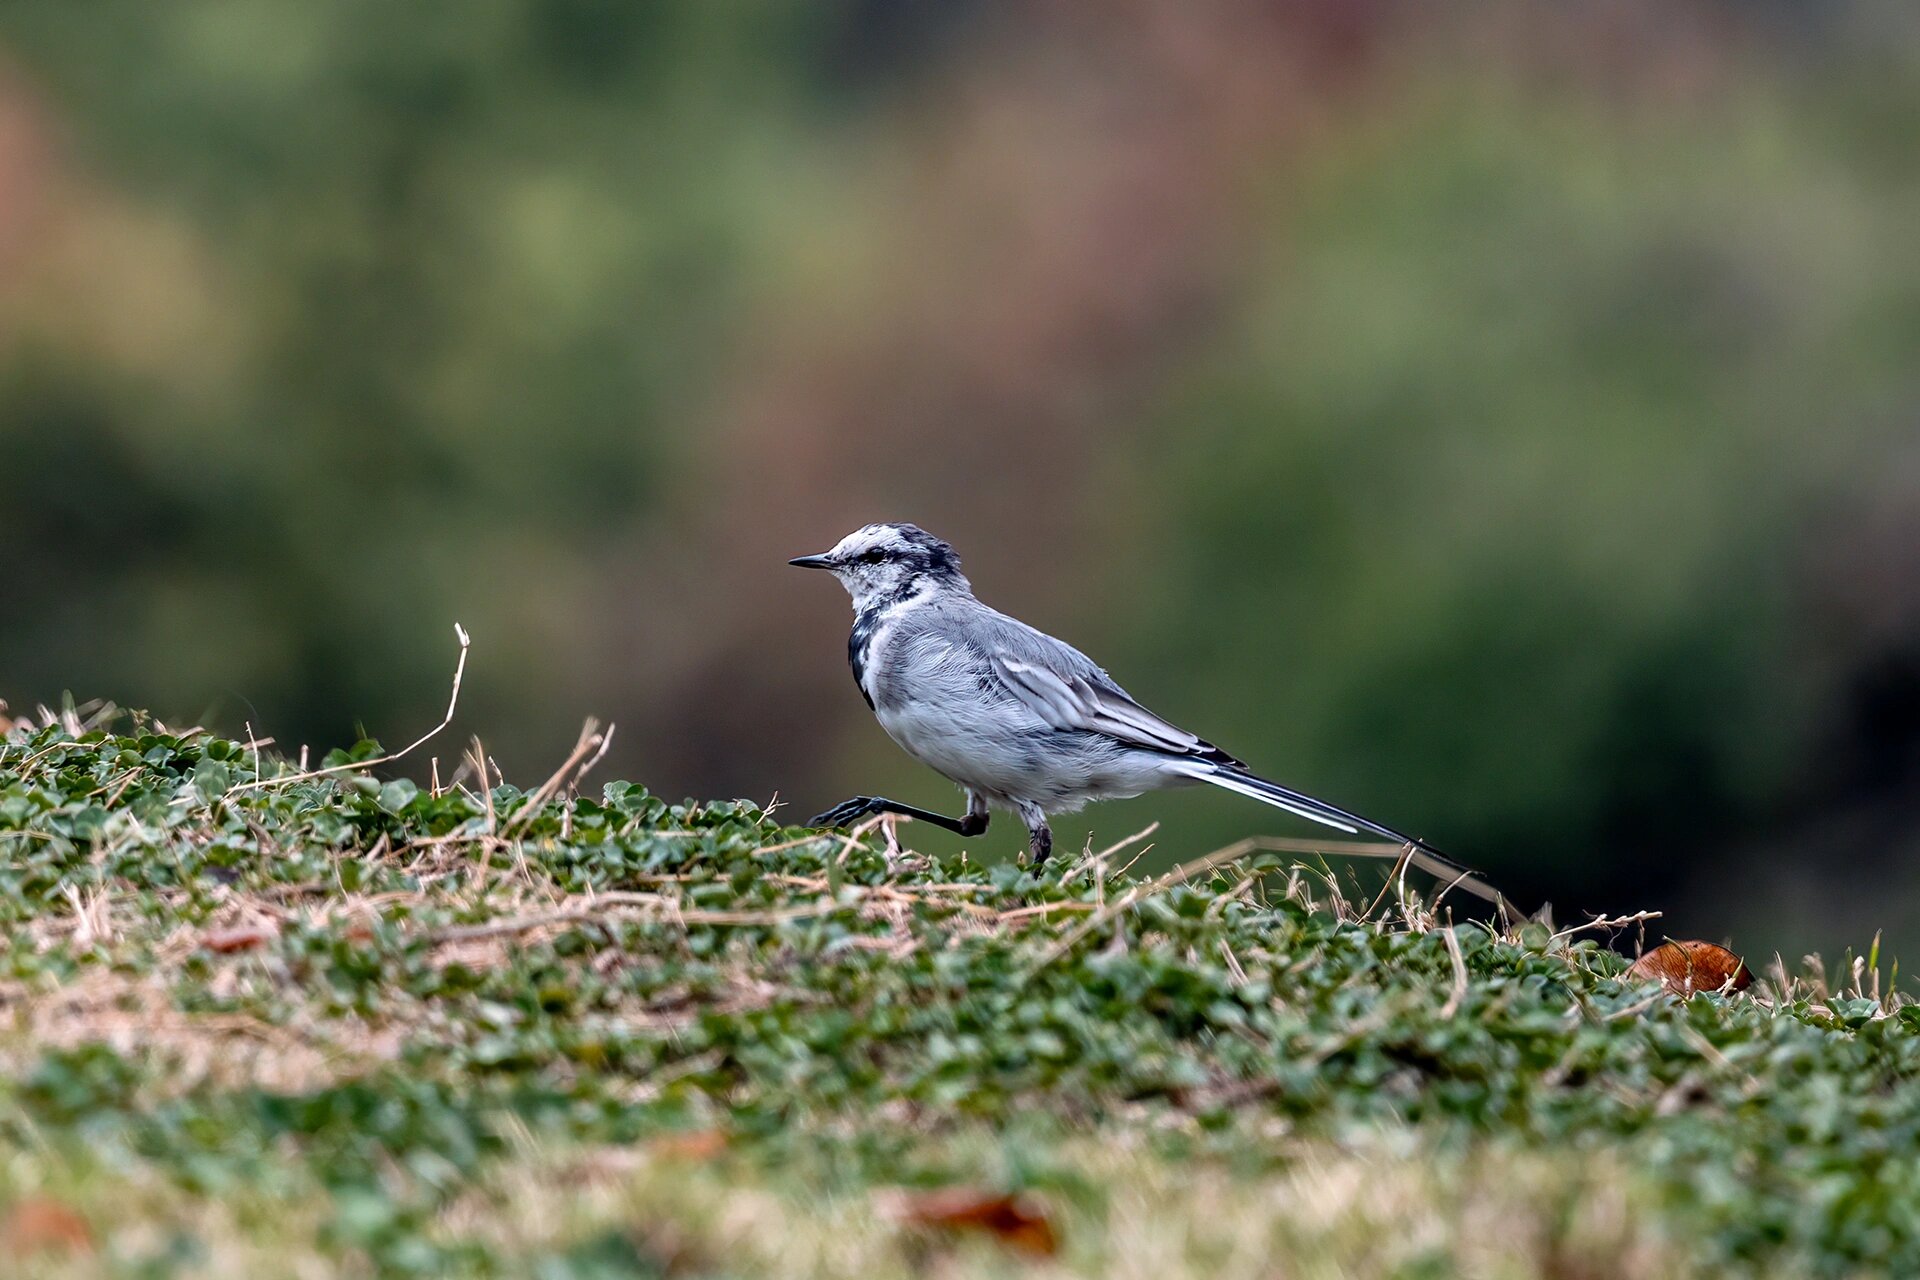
{"points": [[884, 562]]}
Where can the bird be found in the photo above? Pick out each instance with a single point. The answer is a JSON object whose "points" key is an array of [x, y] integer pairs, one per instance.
{"points": [[1019, 720]]}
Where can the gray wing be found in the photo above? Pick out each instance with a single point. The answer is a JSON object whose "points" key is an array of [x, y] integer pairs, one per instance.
{"points": [[1068, 691]]}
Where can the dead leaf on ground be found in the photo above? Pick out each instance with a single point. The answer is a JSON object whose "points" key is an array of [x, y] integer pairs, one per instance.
{"points": [[41, 1224], [692, 1145], [246, 938], [1686, 967], [1014, 1220]]}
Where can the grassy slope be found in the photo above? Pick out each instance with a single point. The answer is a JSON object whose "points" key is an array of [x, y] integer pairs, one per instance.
{"points": [[345, 1025]]}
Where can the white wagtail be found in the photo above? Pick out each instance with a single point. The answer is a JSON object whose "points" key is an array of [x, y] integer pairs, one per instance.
{"points": [[1020, 720]]}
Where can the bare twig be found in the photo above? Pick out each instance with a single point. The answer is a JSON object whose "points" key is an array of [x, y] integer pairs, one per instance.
{"points": [[1607, 922]]}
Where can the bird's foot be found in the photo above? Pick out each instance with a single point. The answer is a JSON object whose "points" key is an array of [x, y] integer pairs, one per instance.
{"points": [[1039, 846], [847, 812]]}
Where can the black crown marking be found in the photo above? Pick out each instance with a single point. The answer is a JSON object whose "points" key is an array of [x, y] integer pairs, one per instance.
{"points": [[926, 553]]}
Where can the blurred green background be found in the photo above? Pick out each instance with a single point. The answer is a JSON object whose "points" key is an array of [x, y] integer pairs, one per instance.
{"points": [[1505, 421]]}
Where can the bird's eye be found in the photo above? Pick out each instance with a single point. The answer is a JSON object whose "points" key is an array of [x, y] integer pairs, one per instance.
{"points": [[873, 557]]}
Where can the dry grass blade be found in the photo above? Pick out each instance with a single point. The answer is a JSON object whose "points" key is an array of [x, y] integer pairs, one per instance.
{"points": [[1098, 859], [1459, 993], [1451, 876], [453, 704], [606, 906], [588, 749], [1179, 875]]}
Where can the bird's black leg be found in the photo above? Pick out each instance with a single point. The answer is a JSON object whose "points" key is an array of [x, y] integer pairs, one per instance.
{"points": [[1039, 835], [860, 807]]}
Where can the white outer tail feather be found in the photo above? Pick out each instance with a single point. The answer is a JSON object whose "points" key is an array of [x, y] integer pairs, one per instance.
{"points": [[1419, 855], [1235, 782]]}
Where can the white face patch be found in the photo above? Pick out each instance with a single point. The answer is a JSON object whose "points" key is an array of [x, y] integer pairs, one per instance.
{"points": [[884, 565], [869, 565]]}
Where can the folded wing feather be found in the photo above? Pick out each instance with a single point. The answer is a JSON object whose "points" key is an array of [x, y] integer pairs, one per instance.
{"points": [[1075, 700]]}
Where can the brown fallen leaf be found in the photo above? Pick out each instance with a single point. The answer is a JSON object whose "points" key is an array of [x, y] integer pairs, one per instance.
{"points": [[1686, 967], [245, 938], [692, 1145], [1014, 1220], [41, 1224]]}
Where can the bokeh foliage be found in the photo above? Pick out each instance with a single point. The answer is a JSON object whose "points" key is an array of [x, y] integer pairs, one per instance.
{"points": [[1502, 424]]}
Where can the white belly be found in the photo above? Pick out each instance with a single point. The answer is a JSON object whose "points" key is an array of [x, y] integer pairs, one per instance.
{"points": [[1016, 759], [953, 742]]}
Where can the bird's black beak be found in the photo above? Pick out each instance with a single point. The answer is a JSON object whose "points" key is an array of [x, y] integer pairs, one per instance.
{"points": [[811, 562]]}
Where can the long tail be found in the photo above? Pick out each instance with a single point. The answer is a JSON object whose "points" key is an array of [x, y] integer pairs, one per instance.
{"points": [[1420, 853]]}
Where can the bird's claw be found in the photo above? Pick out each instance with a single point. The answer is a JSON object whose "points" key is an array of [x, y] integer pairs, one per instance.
{"points": [[847, 811]]}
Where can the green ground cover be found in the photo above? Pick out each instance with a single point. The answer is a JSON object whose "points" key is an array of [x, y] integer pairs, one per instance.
{"points": [[261, 1023]]}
